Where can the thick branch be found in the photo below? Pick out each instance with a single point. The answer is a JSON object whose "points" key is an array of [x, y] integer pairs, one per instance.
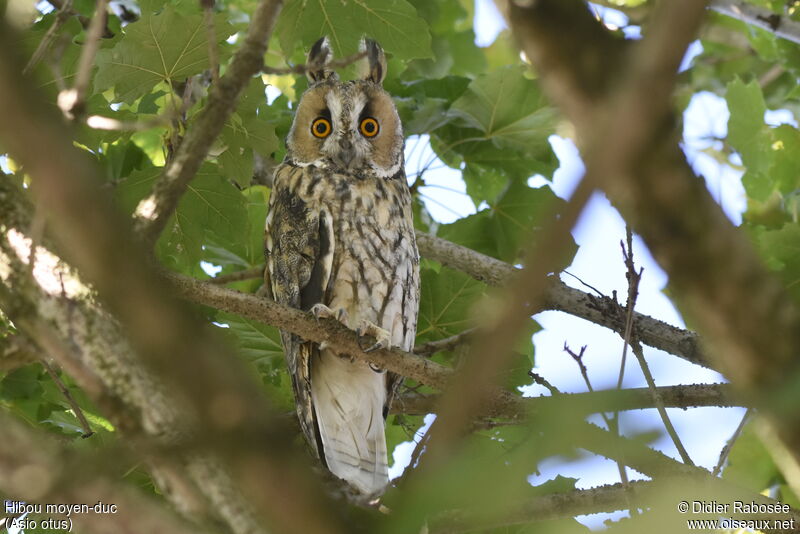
{"points": [[156, 209], [603, 311], [330, 331]]}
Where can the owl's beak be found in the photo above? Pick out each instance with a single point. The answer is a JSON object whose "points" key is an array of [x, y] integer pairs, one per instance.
{"points": [[346, 152]]}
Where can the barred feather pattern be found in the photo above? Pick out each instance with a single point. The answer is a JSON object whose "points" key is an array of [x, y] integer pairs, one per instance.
{"points": [[345, 240]]}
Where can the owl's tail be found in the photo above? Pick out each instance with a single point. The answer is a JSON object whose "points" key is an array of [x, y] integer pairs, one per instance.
{"points": [[348, 400]]}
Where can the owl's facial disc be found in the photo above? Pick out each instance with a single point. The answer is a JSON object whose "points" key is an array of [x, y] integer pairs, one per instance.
{"points": [[349, 127]]}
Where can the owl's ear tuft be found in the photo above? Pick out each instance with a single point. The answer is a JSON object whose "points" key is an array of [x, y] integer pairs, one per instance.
{"points": [[319, 57], [375, 61]]}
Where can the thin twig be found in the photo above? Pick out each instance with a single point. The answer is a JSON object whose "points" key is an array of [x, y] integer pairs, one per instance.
{"points": [[726, 450], [542, 381], [64, 13], [99, 122], [211, 35], [87, 430], [599, 293], [611, 423], [633, 292], [578, 358], [446, 344], [633, 289], [302, 68], [72, 103]]}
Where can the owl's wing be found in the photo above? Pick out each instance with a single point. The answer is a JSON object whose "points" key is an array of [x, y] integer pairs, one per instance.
{"points": [[299, 251]]}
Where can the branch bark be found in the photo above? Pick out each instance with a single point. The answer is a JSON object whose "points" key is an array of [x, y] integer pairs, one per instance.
{"points": [[601, 310], [559, 296]]}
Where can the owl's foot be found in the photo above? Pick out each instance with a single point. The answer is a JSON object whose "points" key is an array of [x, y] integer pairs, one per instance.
{"points": [[382, 336], [320, 310]]}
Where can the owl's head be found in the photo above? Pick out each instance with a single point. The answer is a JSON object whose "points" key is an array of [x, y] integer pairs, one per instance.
{"points": [[351, 126]]}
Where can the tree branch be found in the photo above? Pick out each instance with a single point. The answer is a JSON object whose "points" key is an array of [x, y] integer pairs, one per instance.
{"points": [[449, 343], [600, 499], [498, 403], [561, 297], [581, 404], [600, 310], [332, 332], [423, 370], [154, 211], [781, 25]]}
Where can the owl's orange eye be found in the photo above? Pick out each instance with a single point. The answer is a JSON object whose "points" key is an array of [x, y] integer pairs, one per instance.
{"points": [[321, 127], [369, 127]]}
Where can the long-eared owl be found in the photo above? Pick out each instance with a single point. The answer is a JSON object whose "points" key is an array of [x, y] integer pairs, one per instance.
{"points": [[340, 243]]}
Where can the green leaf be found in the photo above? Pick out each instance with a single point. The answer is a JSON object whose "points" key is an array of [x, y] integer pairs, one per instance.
{"points": [[749, 463], [510, 225], [256, 341], [781, 250], [165, 46], [237, 164], [247, 131], [499, 129], [260, 344], [212, 211], [446, 300], [393, 23], [750, 136], [507, 108]]}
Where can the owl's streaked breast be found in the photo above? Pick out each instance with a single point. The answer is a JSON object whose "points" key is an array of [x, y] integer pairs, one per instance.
{"points": [[374, 274]]}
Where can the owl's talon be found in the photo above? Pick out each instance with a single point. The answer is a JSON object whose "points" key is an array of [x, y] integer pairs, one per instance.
{"points": [[382, 336], [322, 311]]}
